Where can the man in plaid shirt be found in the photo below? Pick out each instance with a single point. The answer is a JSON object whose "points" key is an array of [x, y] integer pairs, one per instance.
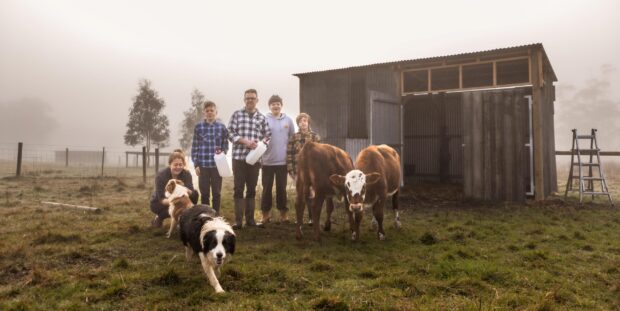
{"points": [[246, 128], [210, 137]]}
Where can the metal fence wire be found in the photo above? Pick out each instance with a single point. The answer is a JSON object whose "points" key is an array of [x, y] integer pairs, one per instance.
{"points": [[75, 161]]}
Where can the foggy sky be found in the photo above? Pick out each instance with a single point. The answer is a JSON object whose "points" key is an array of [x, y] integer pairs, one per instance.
{"points": [[81, 61]]}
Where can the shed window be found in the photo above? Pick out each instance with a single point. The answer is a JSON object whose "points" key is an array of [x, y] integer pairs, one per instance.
{"points": [[445, 78], [513, 71], [478, 75], [415, 81]]}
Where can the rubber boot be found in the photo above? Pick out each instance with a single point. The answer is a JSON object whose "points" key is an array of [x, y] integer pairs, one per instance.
{"points": [[249, 212], [239, 207]]}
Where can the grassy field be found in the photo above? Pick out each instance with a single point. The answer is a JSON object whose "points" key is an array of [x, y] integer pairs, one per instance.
{"points": [[450, 254]]}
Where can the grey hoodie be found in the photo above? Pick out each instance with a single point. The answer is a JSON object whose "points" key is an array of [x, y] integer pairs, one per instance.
{"points": [[281, 129]]}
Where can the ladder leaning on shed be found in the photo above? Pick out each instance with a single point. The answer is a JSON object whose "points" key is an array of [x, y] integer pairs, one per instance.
{"points": [[589, 178]]}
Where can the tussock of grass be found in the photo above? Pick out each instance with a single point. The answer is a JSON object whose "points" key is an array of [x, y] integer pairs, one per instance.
{"points": [[330, 304], [321, 267], [428, 238], [51, 237], [121, 263], [168, 278], [367, 274]]}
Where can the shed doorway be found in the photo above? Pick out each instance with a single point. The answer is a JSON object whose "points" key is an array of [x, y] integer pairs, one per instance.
{"points": [[433, 137], [482, 139]]}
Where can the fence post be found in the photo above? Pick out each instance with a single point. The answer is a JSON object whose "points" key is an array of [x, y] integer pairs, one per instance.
{"points": [[20, 146], [66, 157], [156, 160], [126, 159], [102, 160], [144, 164]]}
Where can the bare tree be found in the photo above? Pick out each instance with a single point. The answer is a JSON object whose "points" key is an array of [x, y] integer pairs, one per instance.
{"points": [[191, 117], [146, 122]]}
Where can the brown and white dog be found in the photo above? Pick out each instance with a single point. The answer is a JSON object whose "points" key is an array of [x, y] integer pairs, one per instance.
{"points": [[178, 196], [211, 237]]}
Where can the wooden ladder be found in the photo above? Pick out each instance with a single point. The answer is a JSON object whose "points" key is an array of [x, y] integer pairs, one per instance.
{"points": [[586, 182]]}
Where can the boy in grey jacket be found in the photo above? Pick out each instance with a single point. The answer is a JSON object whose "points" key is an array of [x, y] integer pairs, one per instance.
{"points": [[274, 160]]}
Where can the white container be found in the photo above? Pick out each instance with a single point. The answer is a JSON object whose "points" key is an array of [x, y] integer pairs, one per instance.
{"points": [[256, 153], [222, 164]]}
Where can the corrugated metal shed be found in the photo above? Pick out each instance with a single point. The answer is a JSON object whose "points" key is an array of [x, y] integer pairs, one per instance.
{"points": [[474, 133]]}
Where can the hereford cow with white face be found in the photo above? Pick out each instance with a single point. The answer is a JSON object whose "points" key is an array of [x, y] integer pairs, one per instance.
{"points": [[376, 177]]}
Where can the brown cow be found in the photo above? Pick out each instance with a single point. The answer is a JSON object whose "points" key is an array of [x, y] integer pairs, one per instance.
{"points": [[316, 163], [377, 176]]}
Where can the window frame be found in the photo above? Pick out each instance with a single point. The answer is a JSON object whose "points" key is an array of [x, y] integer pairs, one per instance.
{"points": [[460, 68]]}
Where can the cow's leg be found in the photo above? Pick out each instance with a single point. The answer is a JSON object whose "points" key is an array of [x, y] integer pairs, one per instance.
{"points": [[377, 210], [356, 225], [397, 223], [299, 210], [351, 224], [329, 202], [316, 214]]}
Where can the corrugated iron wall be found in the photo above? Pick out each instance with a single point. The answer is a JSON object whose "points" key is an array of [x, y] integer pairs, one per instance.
{"points": [[338, 103], [432, 130]]}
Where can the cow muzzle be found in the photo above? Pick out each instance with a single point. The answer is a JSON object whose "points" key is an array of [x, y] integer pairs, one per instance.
{"points": [[356, 207]]}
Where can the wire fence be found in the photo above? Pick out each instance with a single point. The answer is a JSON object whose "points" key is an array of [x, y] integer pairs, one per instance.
{"points": [[93, 161], [77, 161]]}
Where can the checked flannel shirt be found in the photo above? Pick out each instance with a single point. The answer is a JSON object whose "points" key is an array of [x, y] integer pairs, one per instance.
{"points": [[207, 138], [295, 143], [251, 126]]}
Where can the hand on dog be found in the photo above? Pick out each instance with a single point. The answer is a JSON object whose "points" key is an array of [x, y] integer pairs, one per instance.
{"points": [[197, 171]]}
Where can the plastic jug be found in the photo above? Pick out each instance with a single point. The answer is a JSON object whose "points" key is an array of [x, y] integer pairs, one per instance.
{"points": [[256, 153], [222, 164]]}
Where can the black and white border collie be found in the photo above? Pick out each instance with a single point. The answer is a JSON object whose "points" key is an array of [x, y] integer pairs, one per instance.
{"points": [[211, 237]]}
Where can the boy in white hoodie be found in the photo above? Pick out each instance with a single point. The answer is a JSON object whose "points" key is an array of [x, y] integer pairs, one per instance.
{"points": [[274, 160]]}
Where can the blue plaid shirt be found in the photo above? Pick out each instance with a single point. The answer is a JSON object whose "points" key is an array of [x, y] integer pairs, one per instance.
{"points": [[251, 126], [207, 138]]}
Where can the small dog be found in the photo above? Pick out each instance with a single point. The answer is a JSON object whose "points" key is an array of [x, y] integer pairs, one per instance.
{"points": [[211, 237], [178, 196]]}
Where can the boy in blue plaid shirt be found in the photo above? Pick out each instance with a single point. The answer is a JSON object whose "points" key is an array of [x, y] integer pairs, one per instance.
{"points": [[246, 128], [210, 138]]}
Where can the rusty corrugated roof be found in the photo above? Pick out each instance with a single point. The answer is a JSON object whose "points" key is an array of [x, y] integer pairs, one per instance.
{"points": [[435, 58]]}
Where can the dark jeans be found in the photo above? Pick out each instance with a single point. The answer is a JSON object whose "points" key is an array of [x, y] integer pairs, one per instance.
{"points": [[210, 182], [162, 210], [245, 177], [280, 174]]}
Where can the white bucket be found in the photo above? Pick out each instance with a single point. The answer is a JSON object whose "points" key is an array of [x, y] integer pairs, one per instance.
{"points": [[222, 164], [256, 153]]}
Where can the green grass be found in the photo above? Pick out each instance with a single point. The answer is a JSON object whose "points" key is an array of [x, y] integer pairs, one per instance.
{"points": [[450, 254]]}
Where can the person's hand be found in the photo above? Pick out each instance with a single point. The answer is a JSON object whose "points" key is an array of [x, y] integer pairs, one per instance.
{"points": [[165, 202], [218, 150], [197, 171], [252, 144]]}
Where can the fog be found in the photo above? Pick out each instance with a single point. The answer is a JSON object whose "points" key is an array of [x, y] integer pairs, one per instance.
{"points": [[587, 106], [69, 69]]}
